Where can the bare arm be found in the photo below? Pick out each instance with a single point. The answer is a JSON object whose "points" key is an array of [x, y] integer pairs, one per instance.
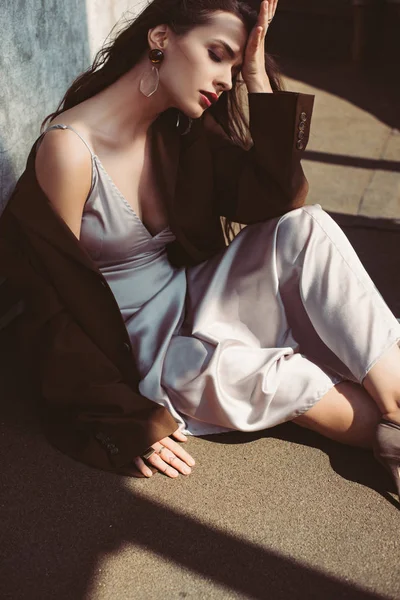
{"points": [[64, 172]]}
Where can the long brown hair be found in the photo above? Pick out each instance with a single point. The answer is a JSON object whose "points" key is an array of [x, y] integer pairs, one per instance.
{"points": [[127, 48]]}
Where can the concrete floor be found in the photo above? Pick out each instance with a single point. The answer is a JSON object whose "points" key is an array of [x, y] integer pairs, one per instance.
{"points": [[281, 514], [353, 155]]}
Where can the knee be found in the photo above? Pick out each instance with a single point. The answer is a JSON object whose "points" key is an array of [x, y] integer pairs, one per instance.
{"points": [[296, 227], [300, 225], [317, 213], [303, 230], [310, 212]]}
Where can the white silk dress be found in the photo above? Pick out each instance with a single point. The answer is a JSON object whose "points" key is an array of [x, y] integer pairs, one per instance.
{"points": [[251, 338]]}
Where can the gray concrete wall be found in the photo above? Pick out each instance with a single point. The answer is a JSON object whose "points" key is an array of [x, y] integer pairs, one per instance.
{"points": [[44, 45]]}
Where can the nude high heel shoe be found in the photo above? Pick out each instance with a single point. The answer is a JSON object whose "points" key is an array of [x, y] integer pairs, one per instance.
{"points": [[387, 448]]}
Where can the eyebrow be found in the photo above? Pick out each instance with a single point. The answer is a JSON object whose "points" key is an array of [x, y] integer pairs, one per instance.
{"points": [[229, 50]]}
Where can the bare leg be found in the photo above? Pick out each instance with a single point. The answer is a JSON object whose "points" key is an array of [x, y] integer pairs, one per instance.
{"points": [[346, 414], [382, 382]]}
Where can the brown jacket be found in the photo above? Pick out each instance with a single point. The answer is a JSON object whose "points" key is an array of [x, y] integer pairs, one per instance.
{"points": [[72, 331]]}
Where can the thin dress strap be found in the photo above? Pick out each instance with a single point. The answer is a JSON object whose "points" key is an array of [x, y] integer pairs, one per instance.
{"points": [[60, 126]]}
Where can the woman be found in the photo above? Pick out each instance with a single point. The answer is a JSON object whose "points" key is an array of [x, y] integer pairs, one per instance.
{"points": [[141, 325]]}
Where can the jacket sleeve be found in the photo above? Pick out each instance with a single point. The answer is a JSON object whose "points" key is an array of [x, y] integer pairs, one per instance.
{"points": [[91, 413], [267, 180]]}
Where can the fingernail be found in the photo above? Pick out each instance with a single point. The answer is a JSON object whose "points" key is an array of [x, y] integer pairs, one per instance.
{"points": [[186, 470], [191, 462], [148, 473]]}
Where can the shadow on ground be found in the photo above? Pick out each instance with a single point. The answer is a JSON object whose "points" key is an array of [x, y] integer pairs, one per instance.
{"points": [[372, 87], [377, 243], [60, 518], [355, 464]]}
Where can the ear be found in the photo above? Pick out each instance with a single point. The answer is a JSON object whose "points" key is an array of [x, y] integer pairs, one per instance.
{"points": [[158, 37]]}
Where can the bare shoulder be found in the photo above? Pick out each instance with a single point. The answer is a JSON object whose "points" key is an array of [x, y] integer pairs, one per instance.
{"points": [[64, 172]]}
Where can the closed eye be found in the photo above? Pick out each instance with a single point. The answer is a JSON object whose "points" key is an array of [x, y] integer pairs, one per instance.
{"points": [[217, 59], [214, 57]]}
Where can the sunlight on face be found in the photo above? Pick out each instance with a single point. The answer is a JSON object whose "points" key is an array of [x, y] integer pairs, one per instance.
{"points": [[206, 59]]}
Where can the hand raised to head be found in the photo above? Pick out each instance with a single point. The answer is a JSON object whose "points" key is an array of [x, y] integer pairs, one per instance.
{"points": [[253, 71]]}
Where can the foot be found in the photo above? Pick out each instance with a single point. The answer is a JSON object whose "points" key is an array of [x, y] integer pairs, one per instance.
{"points": [[387, 447]]}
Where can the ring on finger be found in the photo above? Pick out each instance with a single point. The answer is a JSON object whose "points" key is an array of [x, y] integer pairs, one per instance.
{"points": [[148, 453]]}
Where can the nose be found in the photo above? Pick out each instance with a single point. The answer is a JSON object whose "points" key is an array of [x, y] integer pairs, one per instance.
{"points": [[225, 81]]}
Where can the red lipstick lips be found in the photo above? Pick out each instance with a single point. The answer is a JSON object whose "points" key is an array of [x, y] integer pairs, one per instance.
{"points": [[209, 97]]}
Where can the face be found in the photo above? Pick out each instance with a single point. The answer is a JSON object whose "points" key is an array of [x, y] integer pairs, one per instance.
{"points": [[204, 60]]}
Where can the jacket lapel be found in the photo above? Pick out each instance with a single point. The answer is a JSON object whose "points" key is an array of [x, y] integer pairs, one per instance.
{"points": [[172, 156], [165, 155]]}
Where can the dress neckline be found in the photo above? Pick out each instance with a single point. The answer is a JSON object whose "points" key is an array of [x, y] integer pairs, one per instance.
{"points": [[122, 197]]}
